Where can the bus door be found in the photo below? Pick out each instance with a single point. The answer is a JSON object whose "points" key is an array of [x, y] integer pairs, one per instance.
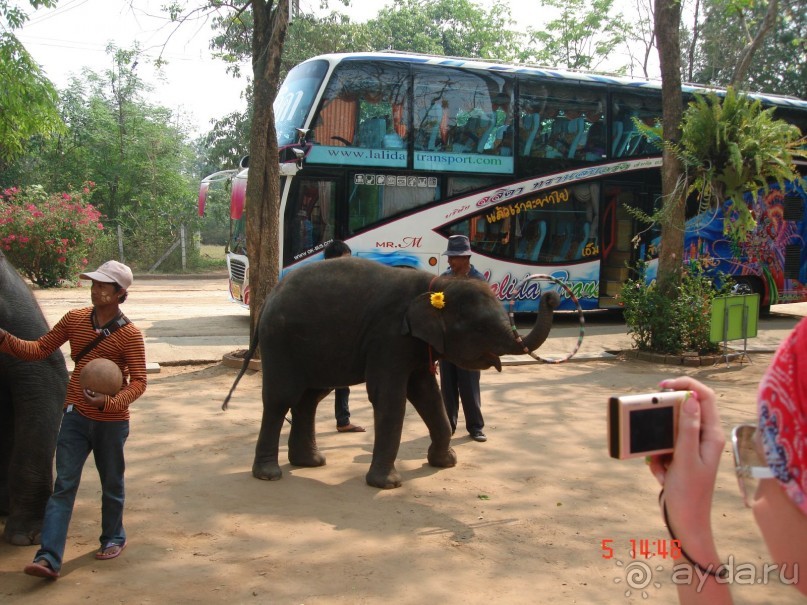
{"points": [[310, 218], [623, 239]]}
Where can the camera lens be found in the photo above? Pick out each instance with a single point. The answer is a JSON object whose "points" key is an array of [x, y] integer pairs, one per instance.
{"points": [[655, 400]]}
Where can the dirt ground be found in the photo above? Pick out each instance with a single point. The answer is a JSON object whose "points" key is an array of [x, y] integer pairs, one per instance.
{"points": [[520, 519]]}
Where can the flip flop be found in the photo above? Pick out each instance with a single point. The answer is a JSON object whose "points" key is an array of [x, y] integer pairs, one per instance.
{"points": [[109, 551], [41, 570], [350, 428]]}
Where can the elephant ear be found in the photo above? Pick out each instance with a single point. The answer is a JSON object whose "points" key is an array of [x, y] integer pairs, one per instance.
{"points": [[425, 322]]}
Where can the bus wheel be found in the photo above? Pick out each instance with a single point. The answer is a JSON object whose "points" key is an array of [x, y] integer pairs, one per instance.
{"points": [[752, 285]]}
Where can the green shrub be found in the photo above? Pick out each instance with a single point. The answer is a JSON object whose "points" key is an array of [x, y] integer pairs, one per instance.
{"points": [[671, 324]]}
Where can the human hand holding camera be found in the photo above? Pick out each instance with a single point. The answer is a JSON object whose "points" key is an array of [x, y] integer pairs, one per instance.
{"points": [[688, 475], [678, 432]]}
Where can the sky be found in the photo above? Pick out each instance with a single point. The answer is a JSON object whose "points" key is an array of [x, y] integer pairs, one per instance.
{"points": [[76, 33]]}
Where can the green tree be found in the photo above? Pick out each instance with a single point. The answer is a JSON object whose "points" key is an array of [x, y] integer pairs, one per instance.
{"points": [[136, 153], [27, 98], [582, 37], [458, 28], [779, 63]]}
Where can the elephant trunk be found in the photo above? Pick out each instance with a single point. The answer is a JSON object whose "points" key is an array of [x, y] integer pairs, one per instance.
{"points": [[543, 323]]}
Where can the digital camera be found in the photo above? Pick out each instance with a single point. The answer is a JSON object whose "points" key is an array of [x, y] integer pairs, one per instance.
{"points": [[643, 425]]}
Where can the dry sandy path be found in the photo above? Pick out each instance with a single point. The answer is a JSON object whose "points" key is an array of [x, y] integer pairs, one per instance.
{"points": [[520, 519]]}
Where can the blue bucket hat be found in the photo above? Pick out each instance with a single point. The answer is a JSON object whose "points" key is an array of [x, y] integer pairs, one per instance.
{"points": [[458, 245]]}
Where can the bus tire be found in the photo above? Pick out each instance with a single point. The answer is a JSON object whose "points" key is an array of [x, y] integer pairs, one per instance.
{"points": [[752, 285]]}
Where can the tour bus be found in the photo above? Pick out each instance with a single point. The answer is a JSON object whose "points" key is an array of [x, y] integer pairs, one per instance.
{"points": [[395, 152]]}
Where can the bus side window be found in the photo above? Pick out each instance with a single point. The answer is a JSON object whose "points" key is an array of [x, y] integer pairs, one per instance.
{"points": [[556, 122], [594, 148], [310, 217], [372, 202], [626, 138], [364, 106]]}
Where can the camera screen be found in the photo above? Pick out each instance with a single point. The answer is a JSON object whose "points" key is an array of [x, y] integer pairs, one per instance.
{"points": [[651, 429]]}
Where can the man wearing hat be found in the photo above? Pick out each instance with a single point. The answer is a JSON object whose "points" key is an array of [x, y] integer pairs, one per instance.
{"points": [[92, 421], [457, 383]]}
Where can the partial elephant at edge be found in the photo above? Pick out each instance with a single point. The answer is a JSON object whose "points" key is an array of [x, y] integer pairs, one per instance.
{"points": [[32, 396]]}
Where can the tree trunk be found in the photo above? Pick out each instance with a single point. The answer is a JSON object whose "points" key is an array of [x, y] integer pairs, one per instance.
{"points": [[668, 20], [263, 186]]}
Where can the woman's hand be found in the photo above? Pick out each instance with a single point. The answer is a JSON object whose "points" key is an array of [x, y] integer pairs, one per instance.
{"points": [[688, 475]]}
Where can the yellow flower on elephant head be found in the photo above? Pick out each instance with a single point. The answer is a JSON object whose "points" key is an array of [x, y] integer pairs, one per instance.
{"points": [[438, 300]]}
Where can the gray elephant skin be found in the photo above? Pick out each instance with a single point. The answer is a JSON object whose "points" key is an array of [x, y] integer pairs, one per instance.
{"points": [[32, 396], [347, 321]]}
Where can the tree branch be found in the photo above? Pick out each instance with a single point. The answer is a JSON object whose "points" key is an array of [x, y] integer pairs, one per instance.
{"points": [[747, 54]]}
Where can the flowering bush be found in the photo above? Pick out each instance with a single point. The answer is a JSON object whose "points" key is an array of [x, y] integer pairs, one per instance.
{"points": [[47, 236]]}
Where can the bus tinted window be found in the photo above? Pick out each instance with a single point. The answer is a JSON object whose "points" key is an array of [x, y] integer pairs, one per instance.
{"points": [[375, 197], [294, 99], [558, 226], [462, 121], [364, 116], [626, 139], [562, 122]]}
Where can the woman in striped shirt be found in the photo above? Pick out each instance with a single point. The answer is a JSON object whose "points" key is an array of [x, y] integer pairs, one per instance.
{"points": [[92, 421]]}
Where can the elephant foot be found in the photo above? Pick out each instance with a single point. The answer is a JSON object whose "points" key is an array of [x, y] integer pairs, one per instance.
{"points": [[383, 479], [442, 459], [307, 459], [21, 537], [266, 471]]}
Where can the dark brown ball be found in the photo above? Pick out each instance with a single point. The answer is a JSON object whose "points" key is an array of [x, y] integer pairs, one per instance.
{"points": [[101, 376]]}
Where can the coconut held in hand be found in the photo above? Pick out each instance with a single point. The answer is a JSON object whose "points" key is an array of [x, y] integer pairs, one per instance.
{"points": [[101, 376]]}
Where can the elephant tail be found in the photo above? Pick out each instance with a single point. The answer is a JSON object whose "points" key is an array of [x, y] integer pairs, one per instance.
{"points": [[244, 367]]}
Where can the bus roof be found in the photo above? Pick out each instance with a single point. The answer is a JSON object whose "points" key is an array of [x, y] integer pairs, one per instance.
{"points": [[548, 73]]}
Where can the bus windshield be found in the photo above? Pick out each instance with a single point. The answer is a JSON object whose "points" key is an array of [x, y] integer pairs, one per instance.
{"points": [[295, 98]]}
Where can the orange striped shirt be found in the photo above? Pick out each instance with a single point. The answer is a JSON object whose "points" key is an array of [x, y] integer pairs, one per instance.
{"points": [[125, 347]]}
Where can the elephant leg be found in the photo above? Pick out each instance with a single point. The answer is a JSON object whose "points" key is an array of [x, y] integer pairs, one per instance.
{"points": [[28, 480], [389, 407], [302, 437], [275, 408], [424, 394]]}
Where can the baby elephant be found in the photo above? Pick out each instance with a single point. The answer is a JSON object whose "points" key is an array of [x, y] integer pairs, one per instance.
{"points": [[351, 320]]}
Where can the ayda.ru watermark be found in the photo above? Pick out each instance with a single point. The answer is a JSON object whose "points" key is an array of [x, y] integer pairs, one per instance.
{"points": [[641, 578]]}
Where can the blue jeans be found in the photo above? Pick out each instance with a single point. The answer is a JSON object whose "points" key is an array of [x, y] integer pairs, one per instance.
{"points": [[78, 436]]}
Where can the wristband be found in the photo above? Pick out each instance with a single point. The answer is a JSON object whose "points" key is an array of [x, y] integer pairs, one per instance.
{"points": [[721, 572]]}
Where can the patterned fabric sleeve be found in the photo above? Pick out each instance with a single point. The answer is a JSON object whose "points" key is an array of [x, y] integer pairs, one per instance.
{"points": [[782, 406]]}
